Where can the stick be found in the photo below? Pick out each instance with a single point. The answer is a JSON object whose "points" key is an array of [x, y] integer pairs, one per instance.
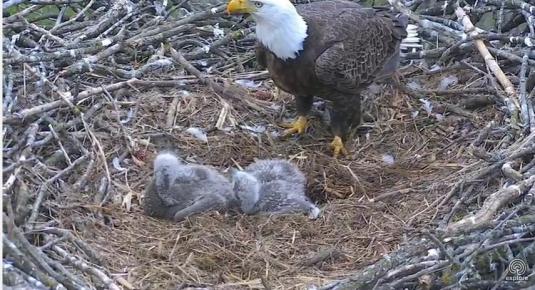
{"points": [[237, 93], [30, 134], [83, 266], [491, 205], [66, 96], [470, 29], [42, 193], [508, 171], [524, 104], [37, 110], [24, 263], [517, 3]]}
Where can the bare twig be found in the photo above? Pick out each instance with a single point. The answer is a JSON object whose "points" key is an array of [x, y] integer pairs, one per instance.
{"points": [[41, 194], [489, 59], [490, 207]]}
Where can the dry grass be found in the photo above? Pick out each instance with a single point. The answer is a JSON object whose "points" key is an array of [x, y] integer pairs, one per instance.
{"points": [[257, 252]]}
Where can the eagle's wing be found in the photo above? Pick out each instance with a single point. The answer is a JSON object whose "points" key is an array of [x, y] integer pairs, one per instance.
{"points": [[365, 46], [260, 53]]}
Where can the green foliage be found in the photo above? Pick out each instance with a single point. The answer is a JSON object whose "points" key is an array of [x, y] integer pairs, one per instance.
{"points": [[47, 14], [16, 8], [487, 21], [448, 275], [370, 3]]}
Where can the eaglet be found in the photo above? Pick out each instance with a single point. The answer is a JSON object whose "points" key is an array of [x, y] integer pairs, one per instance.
{"points": [[180, 190], [272, 186]]}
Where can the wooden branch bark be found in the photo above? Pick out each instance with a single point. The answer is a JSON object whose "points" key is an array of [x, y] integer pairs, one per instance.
{"points": [[491, 205], [470, 29]]}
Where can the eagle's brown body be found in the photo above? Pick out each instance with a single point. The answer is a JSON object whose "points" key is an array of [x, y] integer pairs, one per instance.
{"points": [[347, 48]]}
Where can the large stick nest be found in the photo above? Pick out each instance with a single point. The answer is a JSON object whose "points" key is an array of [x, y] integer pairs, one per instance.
{"points": [[437, 191]]}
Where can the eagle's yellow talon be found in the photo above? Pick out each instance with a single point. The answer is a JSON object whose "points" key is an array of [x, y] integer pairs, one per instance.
{"points": [[338, 147], [299, 126]]}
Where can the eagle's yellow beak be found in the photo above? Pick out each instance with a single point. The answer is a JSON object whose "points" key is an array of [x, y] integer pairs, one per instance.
{"points": [[239, 7]]}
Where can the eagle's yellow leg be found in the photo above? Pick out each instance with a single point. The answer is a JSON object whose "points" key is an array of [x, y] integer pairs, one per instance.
{"points": [[338, 147], [299, 126]]}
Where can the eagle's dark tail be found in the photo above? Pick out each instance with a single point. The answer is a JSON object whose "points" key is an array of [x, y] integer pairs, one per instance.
{"points": [[403, 31], [408, 33], [410, 40]]}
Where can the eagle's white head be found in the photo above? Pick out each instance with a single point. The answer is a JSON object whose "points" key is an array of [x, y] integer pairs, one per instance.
{"points": [[278, 25]]}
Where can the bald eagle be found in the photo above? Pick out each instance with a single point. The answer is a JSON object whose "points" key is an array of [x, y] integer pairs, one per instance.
{"points": [[331, 49]]}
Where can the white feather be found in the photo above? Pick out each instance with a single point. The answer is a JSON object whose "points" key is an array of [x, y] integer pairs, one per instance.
{"points": [[426, 104], [117, 164], [388, 159], [198, 133], [218, 32], [314, 213]]}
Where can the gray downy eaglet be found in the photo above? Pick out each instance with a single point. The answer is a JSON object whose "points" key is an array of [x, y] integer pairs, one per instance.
{"points": [[179, 190], [274, 187]]}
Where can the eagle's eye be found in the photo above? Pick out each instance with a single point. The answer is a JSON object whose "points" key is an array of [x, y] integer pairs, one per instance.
{"points": [[258, 4]]}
